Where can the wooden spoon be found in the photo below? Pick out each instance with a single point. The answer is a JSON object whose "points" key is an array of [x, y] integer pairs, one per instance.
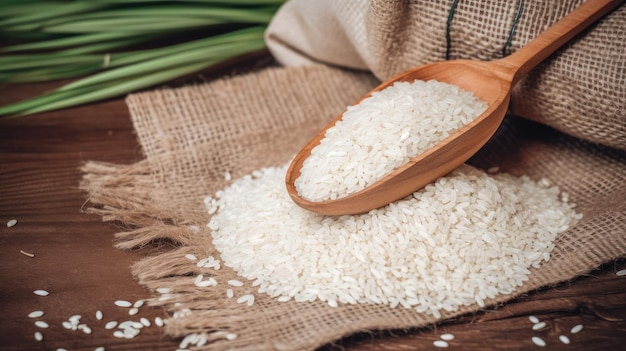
{"points": [[490, 81]]}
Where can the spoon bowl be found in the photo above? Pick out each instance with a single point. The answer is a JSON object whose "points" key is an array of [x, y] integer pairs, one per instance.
{"points": [[490, 81]]}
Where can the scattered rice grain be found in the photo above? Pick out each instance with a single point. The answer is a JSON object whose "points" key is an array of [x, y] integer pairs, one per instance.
{"points": [[230, 293], [38, 336], [41, 292], [158, 321], [576, 329], [101, 348], [145, 321], [533, 319], [447, 337], [440, 343], [564, 339], [138, 303], [123, 303], [191, 257], [539, 325], [110, 325], [75, 318], [621, 273], [11, 223], [227, 176], [538, 341], [42, 324], [133, 311], [99, 315], [231, 336], [36, 314]]}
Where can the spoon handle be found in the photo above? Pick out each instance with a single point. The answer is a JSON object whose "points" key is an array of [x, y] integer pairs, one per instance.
{"points": [[519, 63]]}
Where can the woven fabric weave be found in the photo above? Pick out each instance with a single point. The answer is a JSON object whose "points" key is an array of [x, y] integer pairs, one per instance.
{"points": [[580, 90]]}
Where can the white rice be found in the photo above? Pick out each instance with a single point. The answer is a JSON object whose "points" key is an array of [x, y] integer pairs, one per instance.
{"points": [[145, 321], [464, 239], [577, 329], [539, 325], [36, 314], [538, 341], [42, 324], [382, 133], [440, 343], [447, 337], [123, 303]]}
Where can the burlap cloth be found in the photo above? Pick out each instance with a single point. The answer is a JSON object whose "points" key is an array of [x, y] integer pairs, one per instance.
{"points": [[194, 134]]}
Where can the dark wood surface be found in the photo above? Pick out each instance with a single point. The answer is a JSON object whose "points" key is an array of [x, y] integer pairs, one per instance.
{"points": [[75, 261]]}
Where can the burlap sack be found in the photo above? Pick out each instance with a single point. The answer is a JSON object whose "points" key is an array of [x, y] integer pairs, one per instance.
{"points": [[192, 135], [581, 90]]}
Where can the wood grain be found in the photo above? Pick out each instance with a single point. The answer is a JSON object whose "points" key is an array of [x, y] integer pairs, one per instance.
{"points": [[75, 261]]}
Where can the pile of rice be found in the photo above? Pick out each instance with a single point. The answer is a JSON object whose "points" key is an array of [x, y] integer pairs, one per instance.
{"points": [[467, 237], [383, 132]]}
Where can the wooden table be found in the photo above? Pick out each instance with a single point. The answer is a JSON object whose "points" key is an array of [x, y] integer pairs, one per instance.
{"points": [[75, 261]]}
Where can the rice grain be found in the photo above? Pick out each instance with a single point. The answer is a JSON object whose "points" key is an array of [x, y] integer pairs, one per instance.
{"points": [[41, 324], [36, 314], [447, 337], [576, 329], [538, 341], [41, 292], [539, 325], [440, 343], [122, 303]]}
